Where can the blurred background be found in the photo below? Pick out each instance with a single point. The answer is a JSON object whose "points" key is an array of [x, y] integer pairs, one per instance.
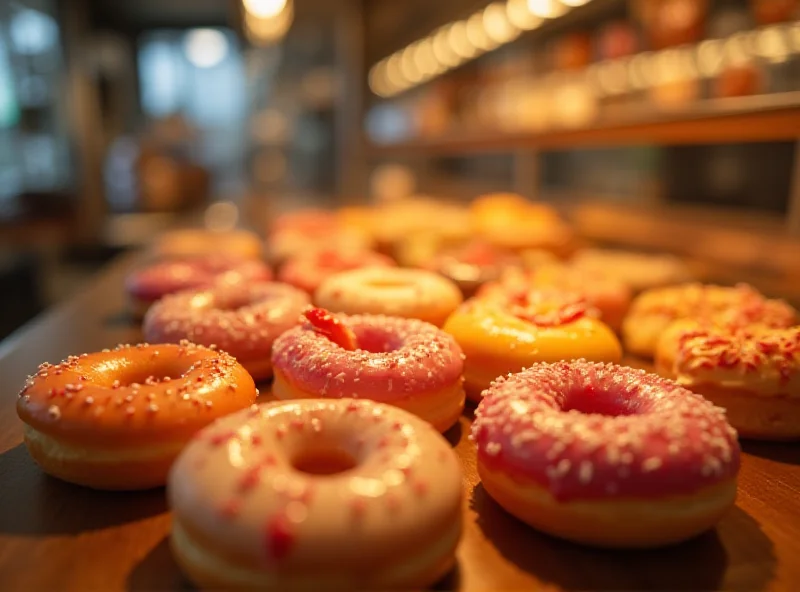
{"points": [[667, 125]]}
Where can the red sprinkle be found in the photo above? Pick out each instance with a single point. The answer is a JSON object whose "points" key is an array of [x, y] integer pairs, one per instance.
{"points": [[331, 327], [279, 537]]}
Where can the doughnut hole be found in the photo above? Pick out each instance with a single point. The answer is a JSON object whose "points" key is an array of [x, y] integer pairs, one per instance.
{"points": [[613, 402], [324, 461], [376, 340], [122, 373]]}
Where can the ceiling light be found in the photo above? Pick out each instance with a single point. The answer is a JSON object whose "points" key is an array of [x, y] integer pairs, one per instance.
{"points": [[264, 9], [547, 8], [520, 16], [460, 42], [477, 34], [497, 25]]}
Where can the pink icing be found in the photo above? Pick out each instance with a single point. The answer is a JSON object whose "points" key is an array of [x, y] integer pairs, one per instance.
{"points": [[586, 430], [243, 320], [396, 358], [167, 277], [308, 271]]}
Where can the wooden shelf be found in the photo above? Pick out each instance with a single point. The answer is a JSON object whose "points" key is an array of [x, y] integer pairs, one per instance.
{"points": [[765, 118]]}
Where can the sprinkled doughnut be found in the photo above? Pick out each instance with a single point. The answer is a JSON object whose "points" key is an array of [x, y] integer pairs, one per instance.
{"points": [[317, 495], [149, 284], [639, 271], [609, 296], [117, 419], [407, 293], [605, 455], [754, 373], [654, 310], [243, 320], [403, 362], [308, 270], [512, 331]]}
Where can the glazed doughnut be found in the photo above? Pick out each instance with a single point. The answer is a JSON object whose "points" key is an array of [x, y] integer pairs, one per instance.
{"points": [[500, 336], [303, 231], [403, 362], [317, 495], [407, 293], [240, 244], [754, 373], [610, 297], [151, 283], [243, 320], [419, 219], [654, 310], [605, 455], [639, 271], [511, 222], [472, 265], [307, 271], [117, 419]]}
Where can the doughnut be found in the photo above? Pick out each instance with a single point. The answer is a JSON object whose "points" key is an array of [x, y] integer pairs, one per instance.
{"points": [[242, 320], [639, 271], [241, 244], [117, 419], [307, 271], [609, 296], [316, 495], [407, 293], [654, 310], [152, 282], [403, 362], [419, 219], [303, 231], [753, 373], [501, 336], [511, 222], [605, 455], [472, 265]]}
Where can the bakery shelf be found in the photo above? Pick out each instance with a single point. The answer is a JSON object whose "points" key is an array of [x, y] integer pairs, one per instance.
{"points": [[763, 118]]}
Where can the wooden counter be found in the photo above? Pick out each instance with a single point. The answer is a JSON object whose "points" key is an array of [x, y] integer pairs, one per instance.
{"points": [[57, 536]]}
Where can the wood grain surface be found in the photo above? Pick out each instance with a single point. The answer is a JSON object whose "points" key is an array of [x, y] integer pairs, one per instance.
{"points": [[56, 536]]}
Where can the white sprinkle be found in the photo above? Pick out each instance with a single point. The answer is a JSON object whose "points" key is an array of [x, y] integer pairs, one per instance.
{"points": [[54, 412], [493, 448]]}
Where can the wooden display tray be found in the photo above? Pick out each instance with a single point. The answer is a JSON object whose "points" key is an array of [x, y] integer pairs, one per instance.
{"points": [[57, 536]]}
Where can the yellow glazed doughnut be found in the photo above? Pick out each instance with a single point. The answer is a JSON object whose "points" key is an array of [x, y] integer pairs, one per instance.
{"points": [[498, 337]]}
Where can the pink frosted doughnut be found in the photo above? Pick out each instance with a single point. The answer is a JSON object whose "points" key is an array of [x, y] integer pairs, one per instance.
{"points": [[149, 284], [316, 495], [308, 270], [403, 362], [243, 320], [605, 455]]}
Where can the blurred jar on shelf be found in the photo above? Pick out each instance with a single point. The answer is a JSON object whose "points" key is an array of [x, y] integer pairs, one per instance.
{"points": [[611, 77]]}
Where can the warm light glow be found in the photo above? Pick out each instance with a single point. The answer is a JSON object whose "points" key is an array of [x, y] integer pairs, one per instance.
{"points": [[424, 59], [264, 9], [709, 57], [639, 70], [520, 16], [205, 48], [394, 75], [612, 77], [442, 51], [408, 65], [574, 3], [268, 31], [736, 50], [547, 8], [477, 34], [772, 45], [497, 25], [378, 82], [459, 40]]}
